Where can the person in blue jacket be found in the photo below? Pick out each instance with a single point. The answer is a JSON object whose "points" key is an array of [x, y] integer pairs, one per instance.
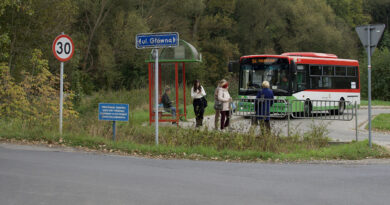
{"points": [[263, 106]]}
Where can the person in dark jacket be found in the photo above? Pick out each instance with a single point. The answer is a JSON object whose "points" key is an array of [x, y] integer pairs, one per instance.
{"points": [[167, 102], [263, 106]]}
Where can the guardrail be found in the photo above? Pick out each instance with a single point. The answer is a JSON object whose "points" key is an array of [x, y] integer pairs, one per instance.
{"points": [[298, 109]]}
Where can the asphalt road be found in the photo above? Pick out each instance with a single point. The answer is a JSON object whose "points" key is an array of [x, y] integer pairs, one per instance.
{"points": [[34, 175]]}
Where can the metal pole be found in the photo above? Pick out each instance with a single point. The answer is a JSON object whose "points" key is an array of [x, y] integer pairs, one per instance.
{"points": [[288, 118], [177, 92], [61, 93], [369, 84], [156, 93], [113, 130], [356, 121]]}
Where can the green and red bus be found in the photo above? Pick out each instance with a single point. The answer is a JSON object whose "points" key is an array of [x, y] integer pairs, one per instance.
{"points": [[301, 76]]}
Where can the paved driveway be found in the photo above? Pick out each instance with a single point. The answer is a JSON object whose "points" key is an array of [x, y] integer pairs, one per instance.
{"points": [[338, 130]]}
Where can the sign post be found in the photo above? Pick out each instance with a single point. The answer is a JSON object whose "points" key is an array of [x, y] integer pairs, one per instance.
{"points": [[113, 112], [156, 41], [63, 50], [369, 36]]}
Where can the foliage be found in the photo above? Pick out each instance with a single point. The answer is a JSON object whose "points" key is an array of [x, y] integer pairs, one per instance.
{"points": [[103, 31], [13, 99], [351, 11], [380, 75], [36, 98]]}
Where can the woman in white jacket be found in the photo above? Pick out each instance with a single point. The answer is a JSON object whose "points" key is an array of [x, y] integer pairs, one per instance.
{"points": [[197, 94], [224, 97]]}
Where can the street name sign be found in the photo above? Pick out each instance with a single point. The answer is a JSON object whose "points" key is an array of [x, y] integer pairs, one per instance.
{"points": [[113, 112], [156, 40]]}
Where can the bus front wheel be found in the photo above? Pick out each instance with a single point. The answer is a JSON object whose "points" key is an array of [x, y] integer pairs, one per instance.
{"points": [[340, 109], [307, 108]]}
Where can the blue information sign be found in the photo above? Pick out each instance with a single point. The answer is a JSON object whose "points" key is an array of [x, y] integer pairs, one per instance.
{"points": [[113, 112], [157, 40]]}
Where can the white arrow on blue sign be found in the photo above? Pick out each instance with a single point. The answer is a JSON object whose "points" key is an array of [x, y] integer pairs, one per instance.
{"points": [[156, 40]]}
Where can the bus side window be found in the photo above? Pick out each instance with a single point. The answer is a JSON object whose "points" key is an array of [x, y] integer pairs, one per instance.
{"points": [[326, 82], [315, 82], [301, 78]]}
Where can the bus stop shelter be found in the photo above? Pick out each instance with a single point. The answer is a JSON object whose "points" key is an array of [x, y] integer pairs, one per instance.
{"points": [[172, 61]]}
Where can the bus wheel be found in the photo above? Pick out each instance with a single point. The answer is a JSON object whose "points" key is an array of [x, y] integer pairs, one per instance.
{"points": [[341, 109], [307, 108]]}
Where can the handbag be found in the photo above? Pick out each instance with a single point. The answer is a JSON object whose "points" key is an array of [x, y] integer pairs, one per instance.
{"points": [[204, 101], [218, 105]]}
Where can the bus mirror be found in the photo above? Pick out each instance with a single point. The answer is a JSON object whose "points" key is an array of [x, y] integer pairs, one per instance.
{"points": [[293, 67], [233, 66], [230, 67]]}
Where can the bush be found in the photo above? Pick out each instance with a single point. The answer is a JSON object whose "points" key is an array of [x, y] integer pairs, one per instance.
{"points": [[380, 75], [36, 98]]}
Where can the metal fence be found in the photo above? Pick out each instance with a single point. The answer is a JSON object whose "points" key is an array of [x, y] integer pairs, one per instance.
{"points": [[297, 109], [276, 108]]}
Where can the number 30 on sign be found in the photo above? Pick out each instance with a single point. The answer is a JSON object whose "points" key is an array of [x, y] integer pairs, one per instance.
{"points": [[63, 48]]}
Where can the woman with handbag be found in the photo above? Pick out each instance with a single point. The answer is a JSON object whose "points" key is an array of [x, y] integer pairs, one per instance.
{"points": [[199, 102], [217, 104], [224, 97]]}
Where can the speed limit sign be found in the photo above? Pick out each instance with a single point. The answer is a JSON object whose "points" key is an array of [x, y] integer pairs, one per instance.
{"points": [[63, 48]]}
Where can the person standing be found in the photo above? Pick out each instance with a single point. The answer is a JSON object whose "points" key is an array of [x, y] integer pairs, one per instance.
{"points": [[224, 97], [217, 104], [197, 94], [263, 106]]}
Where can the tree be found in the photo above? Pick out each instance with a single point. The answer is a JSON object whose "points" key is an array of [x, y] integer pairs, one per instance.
{"points": [[380, 75], [351, 11]]}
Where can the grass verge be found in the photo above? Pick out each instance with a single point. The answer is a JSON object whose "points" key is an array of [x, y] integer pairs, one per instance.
{"points": [[381, 122], [297, 151], [375, 103]]}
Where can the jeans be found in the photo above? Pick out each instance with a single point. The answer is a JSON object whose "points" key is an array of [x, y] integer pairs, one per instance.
{"points": [[225, 119], [216, 120], [172, 110], [199, 111]]}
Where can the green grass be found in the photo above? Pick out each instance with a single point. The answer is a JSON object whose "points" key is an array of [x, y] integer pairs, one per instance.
{"points": [[133, 137], [381, 122], [231, 147], [375, 102]]}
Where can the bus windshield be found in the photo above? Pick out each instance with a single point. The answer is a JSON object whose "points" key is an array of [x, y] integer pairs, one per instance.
{"points": [[253, 71]]}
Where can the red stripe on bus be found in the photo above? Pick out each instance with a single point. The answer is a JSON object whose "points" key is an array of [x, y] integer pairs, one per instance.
{"points": [[336, 90]]}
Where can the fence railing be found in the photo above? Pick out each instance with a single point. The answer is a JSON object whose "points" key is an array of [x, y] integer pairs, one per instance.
{"points": [[276, 108], [298, 109]]}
